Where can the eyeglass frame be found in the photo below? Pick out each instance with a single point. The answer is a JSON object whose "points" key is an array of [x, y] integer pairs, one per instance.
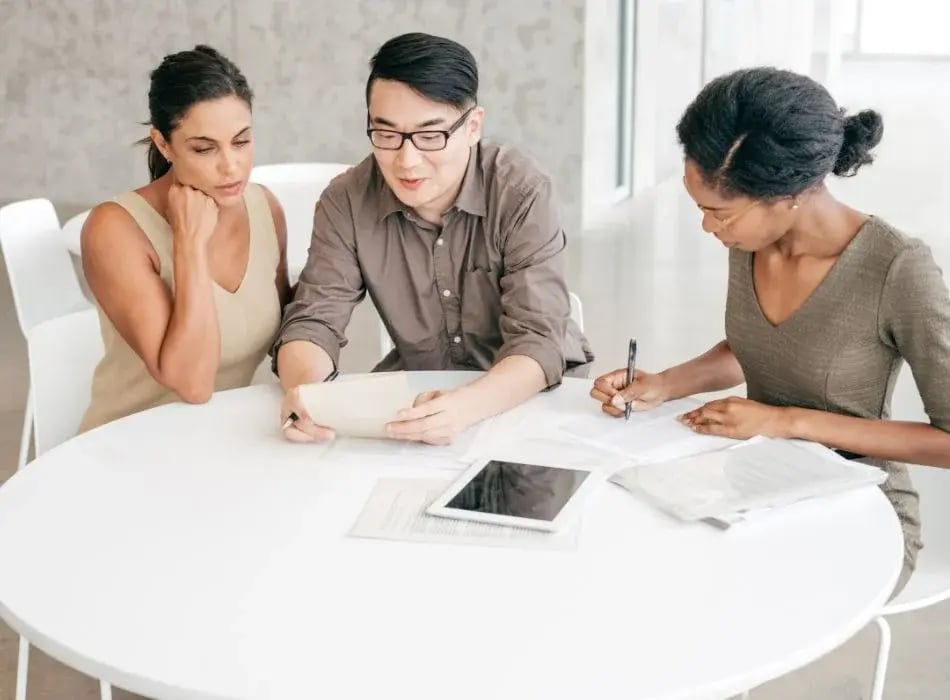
{"points": [[724, 224], [408, 135]]}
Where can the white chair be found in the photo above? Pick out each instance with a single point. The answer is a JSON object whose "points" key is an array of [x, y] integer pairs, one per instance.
{"points": [[42, 278], [577, 315], [72, 232], [61, 374], [45, 290], [930, 582], [297, 187]]}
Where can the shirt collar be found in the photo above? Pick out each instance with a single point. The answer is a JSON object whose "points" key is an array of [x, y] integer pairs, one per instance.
{"points": [[471, 196]]}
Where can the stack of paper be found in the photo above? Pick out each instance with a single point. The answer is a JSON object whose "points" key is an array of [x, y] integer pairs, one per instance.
{"points": [[760, 474]]}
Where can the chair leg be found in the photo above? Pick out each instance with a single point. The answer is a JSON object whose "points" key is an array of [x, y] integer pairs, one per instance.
{"points": [[27, 430], [883, 654], [105, 691], [22, 668]]}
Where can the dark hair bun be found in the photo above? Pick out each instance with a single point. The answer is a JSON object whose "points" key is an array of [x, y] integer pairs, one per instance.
{"points": [[862, 132], [207, 51]]}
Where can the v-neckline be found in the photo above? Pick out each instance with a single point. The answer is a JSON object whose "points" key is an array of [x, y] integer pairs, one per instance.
{"points": [[826, 281], [250, 242]]}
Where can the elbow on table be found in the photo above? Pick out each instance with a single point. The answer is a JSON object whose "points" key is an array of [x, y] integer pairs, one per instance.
{"points": [[195, 392], [190, 390]]}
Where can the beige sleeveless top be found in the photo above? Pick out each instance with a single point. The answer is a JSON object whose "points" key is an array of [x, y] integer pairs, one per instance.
{"points": [[247, 319]]}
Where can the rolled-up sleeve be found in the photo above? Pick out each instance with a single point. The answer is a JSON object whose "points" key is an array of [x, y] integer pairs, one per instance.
{"points": [[534, 296], [331, 283]]}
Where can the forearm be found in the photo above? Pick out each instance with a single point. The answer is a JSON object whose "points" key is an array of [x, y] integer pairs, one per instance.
{"points": [[714, 370], [302, 362], [902, 441], [191, 349], [512, 381]]}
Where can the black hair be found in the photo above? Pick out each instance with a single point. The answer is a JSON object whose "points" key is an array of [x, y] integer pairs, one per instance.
{"points": [[181, 80], [769, 133], [439, 69]]}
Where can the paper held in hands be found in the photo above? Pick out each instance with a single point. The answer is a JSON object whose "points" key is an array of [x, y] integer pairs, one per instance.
{"points": [[358, 407], [757, 475]]}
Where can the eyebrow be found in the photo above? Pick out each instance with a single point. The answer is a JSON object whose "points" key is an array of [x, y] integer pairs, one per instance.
{"points": [[422, 125], [700, 206], [208, 138]]}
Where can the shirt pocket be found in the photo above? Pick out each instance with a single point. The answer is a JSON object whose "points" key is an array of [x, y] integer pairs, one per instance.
{"points": [[481, 305]]}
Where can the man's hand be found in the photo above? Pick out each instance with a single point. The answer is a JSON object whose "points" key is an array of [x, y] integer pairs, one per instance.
{"points": [[436, 418]]}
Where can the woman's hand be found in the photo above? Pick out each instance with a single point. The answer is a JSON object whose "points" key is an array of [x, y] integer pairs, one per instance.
{"points": [[192, 214], [645, 392], [738, 418]]}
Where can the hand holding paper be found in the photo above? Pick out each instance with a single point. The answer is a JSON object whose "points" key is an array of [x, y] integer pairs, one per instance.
{"points": [[436, 418], [357, 408]]}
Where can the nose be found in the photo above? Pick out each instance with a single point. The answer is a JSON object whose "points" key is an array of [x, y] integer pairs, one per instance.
{"points": [[227, 162], [711, 224], [408, 155]]}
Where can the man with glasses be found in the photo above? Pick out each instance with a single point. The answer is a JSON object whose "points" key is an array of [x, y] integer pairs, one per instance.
{"points": [[457, 242]]}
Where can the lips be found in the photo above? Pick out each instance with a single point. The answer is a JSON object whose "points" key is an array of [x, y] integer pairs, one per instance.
{"points": [[410, 183], [230, 188]]}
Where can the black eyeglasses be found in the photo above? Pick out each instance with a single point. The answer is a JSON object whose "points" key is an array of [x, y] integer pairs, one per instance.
{"points": [[429, 140]]}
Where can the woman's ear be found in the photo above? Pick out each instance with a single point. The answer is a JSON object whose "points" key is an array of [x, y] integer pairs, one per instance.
{"points": [[160, 143]]}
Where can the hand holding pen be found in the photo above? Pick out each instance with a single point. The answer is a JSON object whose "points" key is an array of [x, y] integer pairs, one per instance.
{"points": [[626, 390], [296, 425]]}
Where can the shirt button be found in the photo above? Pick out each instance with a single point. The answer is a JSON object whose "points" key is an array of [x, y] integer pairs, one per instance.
{"points": [[457, 339], [446, 293], [439, 241]]}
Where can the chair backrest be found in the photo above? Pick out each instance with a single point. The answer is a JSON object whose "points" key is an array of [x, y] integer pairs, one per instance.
{"points": [[72, 231], [297, 187], [933, 486], [42, 276], [577, 315], [63, 354]]}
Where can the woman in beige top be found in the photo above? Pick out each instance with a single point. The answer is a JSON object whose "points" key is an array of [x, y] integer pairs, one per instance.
{"points": [[189, 271], [824, 304]]}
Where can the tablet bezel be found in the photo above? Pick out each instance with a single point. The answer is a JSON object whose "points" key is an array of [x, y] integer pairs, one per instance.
{"points": [[564, 518]]}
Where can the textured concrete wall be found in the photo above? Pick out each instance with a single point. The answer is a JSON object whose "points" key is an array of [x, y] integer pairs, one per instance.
{"points": [[74, 80]]}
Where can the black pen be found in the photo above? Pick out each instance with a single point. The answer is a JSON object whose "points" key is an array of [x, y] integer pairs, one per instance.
{"points": [[631, 363], [293, 417]]}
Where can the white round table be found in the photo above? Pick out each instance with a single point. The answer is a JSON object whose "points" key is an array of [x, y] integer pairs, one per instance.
{"points": [[189, 552]]}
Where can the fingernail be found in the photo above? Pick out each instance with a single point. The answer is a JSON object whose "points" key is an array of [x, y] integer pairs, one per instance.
{"points": [[618, 402]]}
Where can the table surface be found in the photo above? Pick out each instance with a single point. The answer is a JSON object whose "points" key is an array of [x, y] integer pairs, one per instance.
{"points": [[189, 552]]}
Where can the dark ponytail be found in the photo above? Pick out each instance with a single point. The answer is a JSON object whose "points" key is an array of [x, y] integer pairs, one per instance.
{"points": [[182, 80], [157, 164]]}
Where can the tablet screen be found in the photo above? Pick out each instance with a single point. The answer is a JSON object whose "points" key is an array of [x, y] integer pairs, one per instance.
{"points": [[522, 490]]}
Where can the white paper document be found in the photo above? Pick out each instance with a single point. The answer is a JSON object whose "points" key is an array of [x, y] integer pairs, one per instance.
{"points": [[649, 436], [452, 457], [760, 474], [360, 407], [395, 510]]}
